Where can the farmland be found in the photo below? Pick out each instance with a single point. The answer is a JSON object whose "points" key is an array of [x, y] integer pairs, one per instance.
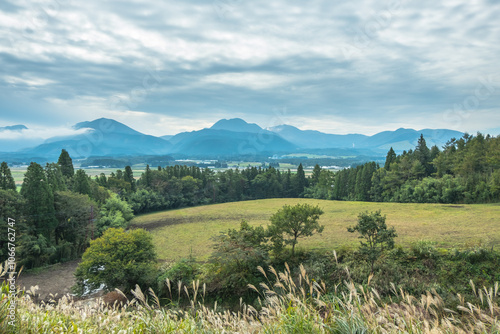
{"points": [[179, 233]]}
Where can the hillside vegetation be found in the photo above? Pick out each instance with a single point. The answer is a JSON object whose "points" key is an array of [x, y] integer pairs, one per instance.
{"points": [[179, 233]]}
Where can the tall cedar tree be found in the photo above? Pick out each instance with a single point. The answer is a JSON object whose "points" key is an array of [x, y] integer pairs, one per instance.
{"points": [[81, 183], [389, 159], [6, 180], [66, 164], [300, 181], [40, 212], [128, 176]]}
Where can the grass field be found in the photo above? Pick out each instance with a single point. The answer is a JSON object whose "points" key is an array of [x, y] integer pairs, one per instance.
{"points": [[178, 233]]}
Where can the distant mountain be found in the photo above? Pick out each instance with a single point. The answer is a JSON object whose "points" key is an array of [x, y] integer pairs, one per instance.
{"points": [[18, 127], [406, 139], [12, 139], [316, 139], [236, 125], [104, 137], [227, 137], [399, 140], [208, 142]]}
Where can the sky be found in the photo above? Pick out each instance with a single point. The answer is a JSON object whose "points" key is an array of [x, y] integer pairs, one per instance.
{"points": [[163, 67]]}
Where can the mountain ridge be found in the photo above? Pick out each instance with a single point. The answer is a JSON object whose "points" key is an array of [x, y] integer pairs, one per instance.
{"points": [[226, 137]]}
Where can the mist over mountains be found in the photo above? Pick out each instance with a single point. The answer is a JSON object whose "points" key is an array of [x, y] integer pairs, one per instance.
{"points": [[226, 138]]}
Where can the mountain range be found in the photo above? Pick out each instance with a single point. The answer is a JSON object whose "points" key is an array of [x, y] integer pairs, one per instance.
{"points": [[226, 138]]}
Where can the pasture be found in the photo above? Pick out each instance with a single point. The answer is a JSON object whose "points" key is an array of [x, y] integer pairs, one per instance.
{"points": [[179, 233]]}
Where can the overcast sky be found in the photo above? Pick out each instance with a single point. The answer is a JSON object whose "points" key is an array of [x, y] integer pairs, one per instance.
{"points": [[163, 67]]}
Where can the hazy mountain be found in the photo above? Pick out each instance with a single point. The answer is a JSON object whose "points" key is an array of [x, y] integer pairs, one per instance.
{"points": [[12, 139], [316, 139], [18, 127], [406, 139], [401, 139], [236, 125], [229, 143], [227, 137], [104, 137]]}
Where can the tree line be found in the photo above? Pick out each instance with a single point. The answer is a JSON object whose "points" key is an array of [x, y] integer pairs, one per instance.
{"points": [[60, 209], [464, 171]]}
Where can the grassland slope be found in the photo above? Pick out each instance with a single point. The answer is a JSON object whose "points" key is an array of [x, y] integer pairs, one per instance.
{"points": [[178, 233]]}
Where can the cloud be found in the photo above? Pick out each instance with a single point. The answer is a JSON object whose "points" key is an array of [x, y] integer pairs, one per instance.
{"points": [[174, 66]]}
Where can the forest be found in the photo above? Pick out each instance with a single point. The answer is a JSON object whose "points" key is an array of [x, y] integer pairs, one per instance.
{"points": [[59, 209]]}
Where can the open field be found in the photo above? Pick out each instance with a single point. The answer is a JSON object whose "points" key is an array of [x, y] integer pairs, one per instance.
{"points": [[177, 233]]}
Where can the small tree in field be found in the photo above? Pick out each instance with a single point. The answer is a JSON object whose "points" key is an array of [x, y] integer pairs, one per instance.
{"points": [[377, 237], [296, 221]]}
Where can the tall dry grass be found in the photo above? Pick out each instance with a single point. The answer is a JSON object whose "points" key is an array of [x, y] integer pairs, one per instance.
{"points": [[285, 304]]}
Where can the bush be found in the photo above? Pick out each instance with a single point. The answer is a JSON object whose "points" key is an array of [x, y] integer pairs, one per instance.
{"points": [[118, 259]]}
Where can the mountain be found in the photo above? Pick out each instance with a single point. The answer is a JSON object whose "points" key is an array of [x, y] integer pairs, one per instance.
{"points": [[406, 139], [227, 137], [214, 142], [400, 139], [103, 137], [236, 125], [18, 127], [316, 139], [13, 138]]}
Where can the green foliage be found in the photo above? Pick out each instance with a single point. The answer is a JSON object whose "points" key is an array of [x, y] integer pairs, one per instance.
{"points": [[39, 207], [118, 259], [66, 164], [185, 271], [235, 258], [74, 221], [294, 222], [55, 177], [376, 236], [81, 182], [6, 180], [114, 213]]}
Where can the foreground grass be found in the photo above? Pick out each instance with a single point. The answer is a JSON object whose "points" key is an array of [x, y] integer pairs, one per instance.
{"points": [[179, 233], [287, 304]]}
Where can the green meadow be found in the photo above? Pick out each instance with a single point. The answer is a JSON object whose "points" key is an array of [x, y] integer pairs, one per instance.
{"points": [[179, 233]]}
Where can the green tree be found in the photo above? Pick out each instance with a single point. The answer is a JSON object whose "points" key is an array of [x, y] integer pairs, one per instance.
{"points": [[55, 177], [66, 164], [128, 176], [6, 180], [39, 201], [315, 175], [118, 259], [81, 183], [237, 253], [377, 237], [389, 159], [294, 222], [114, 213], [299, 181], [74, 214]]}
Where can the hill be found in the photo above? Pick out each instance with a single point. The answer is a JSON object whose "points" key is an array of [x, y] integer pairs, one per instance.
{"points": [[178, 233], [104, 137]]}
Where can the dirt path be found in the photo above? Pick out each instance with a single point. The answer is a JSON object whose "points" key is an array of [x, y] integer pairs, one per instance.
{"points": [[57, 279]]}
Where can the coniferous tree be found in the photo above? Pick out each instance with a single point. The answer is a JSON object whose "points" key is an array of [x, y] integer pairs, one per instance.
{"points": [[40, 213], [423, 154], [300, 181], [6, 180], [81, 183], [315, 175], [128, 176], [390, 158], [55, 177], [66, 164]]}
